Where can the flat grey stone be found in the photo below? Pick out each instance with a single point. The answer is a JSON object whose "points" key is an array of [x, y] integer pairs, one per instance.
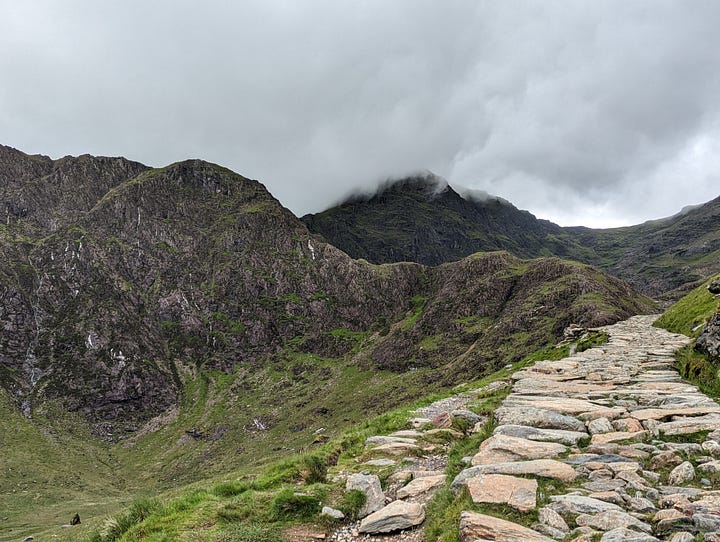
{"points": [[561, 436]]}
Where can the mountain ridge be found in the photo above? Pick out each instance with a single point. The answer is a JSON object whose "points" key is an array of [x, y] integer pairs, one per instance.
{"points": [[401, 221]]}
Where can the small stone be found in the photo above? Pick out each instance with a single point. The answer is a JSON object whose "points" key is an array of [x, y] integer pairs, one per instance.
{"points": [[550, 517], [664, 460], [651, 476], [382, 439], [608, 496], [642, 505], [331, 512], [706, 522], [395, 448], [682, 536], [710, 467], [628, 425], [380, 462], [617, 435], [552, 532], [467, 415], [681, 474], [444, 420], [667, 513], [712, 447], [600, 425]]}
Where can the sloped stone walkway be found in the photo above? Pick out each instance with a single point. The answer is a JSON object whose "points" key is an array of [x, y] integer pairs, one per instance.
{"points": [[609, 444]]}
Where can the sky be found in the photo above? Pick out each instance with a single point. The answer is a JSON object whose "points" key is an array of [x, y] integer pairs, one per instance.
{"points": [[582, 112]]}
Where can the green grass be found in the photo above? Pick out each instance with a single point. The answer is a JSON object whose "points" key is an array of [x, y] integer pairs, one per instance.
{"points": [[418, 306], [696, 368], [689, 314]]}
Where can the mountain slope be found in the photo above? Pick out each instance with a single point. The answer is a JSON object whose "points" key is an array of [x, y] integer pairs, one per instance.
{"points": [[421, 219], [184, 312]]}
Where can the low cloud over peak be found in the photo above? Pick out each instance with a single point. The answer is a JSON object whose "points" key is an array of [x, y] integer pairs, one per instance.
{"points": [[598, 113]]}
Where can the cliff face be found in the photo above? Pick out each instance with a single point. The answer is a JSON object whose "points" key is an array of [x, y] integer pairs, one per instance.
{"points": [[116, 280]]}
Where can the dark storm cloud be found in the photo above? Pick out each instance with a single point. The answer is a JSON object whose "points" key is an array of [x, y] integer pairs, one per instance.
{"points": [[582, 112]]}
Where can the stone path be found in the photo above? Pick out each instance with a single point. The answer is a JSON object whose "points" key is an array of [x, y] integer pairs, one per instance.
{"points": [[608, 444]]}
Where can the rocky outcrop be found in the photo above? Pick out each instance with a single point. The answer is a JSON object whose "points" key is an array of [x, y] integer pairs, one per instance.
{"points": [[709, 340], [714, 286]]}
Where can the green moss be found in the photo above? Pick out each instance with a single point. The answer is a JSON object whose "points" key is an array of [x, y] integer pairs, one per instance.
{"points": [[699, 370]]}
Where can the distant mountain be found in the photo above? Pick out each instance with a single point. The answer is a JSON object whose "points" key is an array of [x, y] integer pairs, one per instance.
{"points": [[666, 257], [423, 219]]}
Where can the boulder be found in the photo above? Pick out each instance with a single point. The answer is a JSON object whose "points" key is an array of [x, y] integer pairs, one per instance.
{"points": [[708, 342], [543, 468], [520, 493], [714, 286], [684, 472], [474, 527], [544, 435], [502, 448], [396, 516], [612, 519], [537, 417], [621, 534], [420, 485], [370, 485], [578, 504]]}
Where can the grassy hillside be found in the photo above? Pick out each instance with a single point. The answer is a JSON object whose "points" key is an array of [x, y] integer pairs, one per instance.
{"points": [[688, 315]]}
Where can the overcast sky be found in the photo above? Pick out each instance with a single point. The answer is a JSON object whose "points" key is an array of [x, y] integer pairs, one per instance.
{"points": [[588, 112]]}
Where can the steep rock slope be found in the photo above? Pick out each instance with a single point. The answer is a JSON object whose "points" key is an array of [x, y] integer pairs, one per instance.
{"points": [[421, 219], [120, 284]]}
